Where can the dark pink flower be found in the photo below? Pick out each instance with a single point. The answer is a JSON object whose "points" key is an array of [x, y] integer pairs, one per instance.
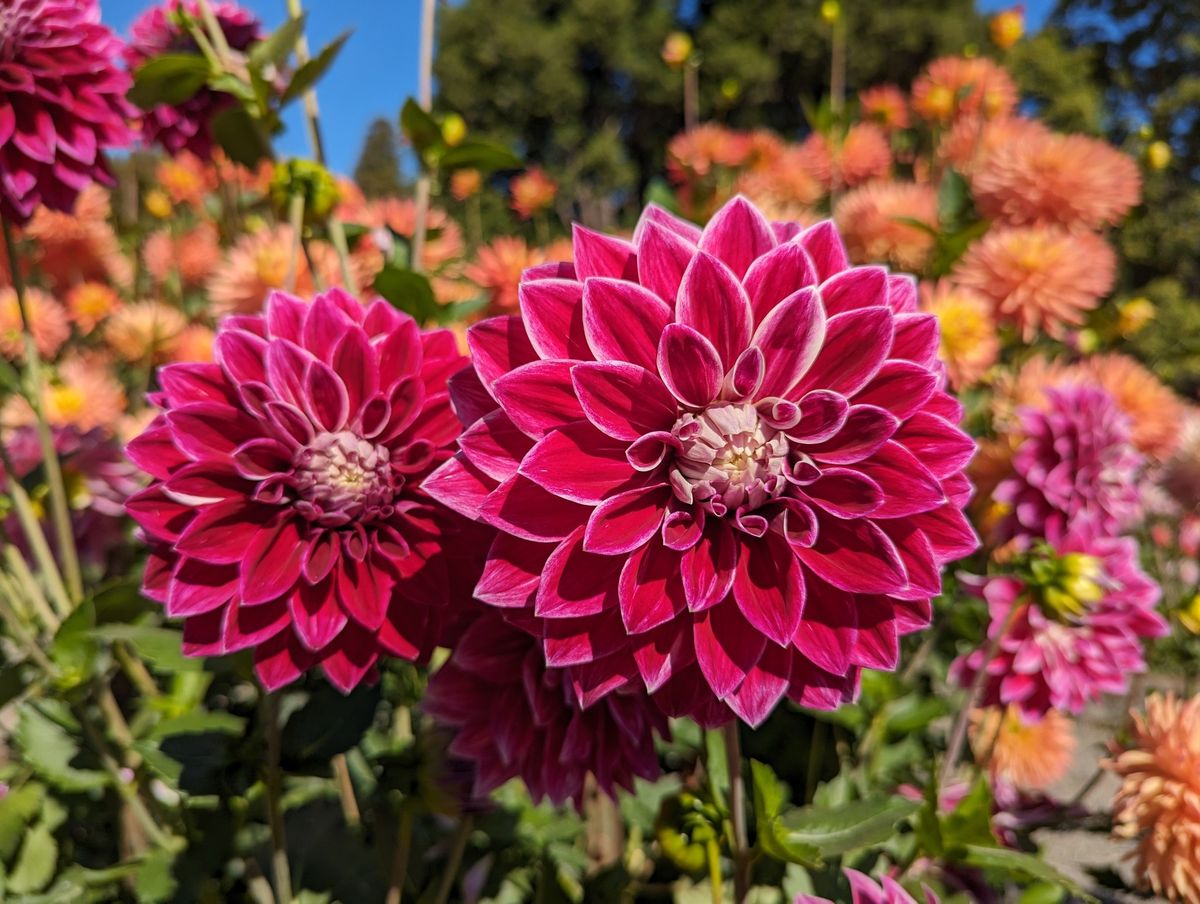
{"points": [[285, 512], [186, 126], [865, 890], [723, 460], [516, 718], [1076, 463], [1071, 623], [62, 103]]}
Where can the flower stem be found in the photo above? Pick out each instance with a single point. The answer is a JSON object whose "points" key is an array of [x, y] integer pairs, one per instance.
{"points": [[60, 512], [739, 844], [337, 235], [425, 99], [713, 852], [311, 111], [36, 539], [296, 224], [215, 32], [274, 785], [341, 772], [395, 892], [29, 587], [454, 861]]}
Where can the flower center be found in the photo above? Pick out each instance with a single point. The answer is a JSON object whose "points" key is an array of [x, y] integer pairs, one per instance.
{"points": [[342, 477], [1065, 587], [728, 459]]}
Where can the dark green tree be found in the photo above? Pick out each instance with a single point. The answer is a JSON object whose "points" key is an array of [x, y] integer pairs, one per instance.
{"points": [[378, 169]]}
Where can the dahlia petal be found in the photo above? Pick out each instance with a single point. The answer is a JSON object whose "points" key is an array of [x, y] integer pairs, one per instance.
{"points": [[949, 531], [249, 626], [777, 274], [512, 572], [901, 387], [539, 396], [902, 293], [650, 588], [623, 400], [798, 522], [552, 310], [363, 591], [579, 641], [280, 661], [865, 431], [199, 587], [221, 533], [576, 583], [350, 360], [790, 338], [828, 632], [768, 587], [877, 645], [726, 647], [908, 487], [207, 430], [285, 316], [204, 635], [324, 324], [663, 256], [524, 509], [624, 522], [647, 452], [460, 486], [623, 321], [856, 345], [916, 339], [399, 353], [763, 688], [184, 383], [822, 415], [596, 254], [579, 463], [405, 403], [845, 493], [316, 616], [654, 213], [155, 452], [916, 552], [689, 365], [498, 346], [325, 397], [746, 376], [494, 445], [291, 424], [939, 445], [271, 565], [683, 526], [824, 246], [352, 658], [470, 399], [858, 287], [660, 653], [856, 556], [408, 630], [817, 689], [737, 235], [713, 302], [320, 556], [286, 367]]}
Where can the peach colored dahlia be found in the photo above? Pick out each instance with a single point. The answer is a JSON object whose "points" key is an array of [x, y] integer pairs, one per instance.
{"points": [[969, 343], [871, 220]]}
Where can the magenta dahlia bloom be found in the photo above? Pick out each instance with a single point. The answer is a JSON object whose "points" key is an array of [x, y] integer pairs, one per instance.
{"points": [[721, 459], [286, 512], [186, 126], [864, 890], [1070, 625], [1076, 464], [515, 718], [62, 103]]}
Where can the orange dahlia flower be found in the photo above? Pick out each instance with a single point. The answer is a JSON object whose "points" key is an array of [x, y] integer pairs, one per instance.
{"points": [[532, 192], [1039, 278], [89, 303], [185, 179], [253, 268], [1029, 755], [195, 254], [969, 345], [47, 321], [954, 86], [1158, 803], [863, 154], [886, 106], [1072, 180], [194, 344], [144, 331], [499, 265], [80, 246], [970, 139], [872, 219]]}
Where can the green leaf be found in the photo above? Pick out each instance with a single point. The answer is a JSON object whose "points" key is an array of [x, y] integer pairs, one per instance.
{"points": [[838, 830], [49, 750], [228, 83], [971, 821], [171, 78], [1018, 863], [408, 291], [329, 723], [485, 156], [767, 790], [155, 880], [306, 76], [36, 862], [199, 723], [913, 712], [277, 46], [953, 198], [1042, 893], [769, 796], [241, 137], [160, 647], [17, 810], [419, 128], [74, 648]]}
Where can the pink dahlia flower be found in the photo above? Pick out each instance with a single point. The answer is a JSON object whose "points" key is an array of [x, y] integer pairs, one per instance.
{"points": [[1068, 627], [865, 890], [186, 126], [721, 459], [285, 512], [516, 718], [1076, 464], [62, 103]]}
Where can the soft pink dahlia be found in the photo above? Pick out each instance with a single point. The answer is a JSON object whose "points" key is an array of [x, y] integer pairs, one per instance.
{"points": [[62, 103], [1076, 464], [721, 459], [186, 126], [516, 718], [865, 890], [285, 512], [1068, 625]]}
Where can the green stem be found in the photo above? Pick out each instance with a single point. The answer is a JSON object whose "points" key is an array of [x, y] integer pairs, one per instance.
{"points": [[29, 586], [338, 236], [135, 670], [425, 99], [59, 509], [36, 539], [739, 843], [296, 223], [311, 111], [22, 634], [454, 861], [215, 32], [816, 750], [341, 772], [395, 893], [274, 786]]}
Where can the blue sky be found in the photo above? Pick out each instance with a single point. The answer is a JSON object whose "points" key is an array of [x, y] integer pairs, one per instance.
{"points": [[377, 68]]}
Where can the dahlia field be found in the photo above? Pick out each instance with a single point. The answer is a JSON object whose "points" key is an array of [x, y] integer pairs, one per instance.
{"points": [[804, 527]]}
